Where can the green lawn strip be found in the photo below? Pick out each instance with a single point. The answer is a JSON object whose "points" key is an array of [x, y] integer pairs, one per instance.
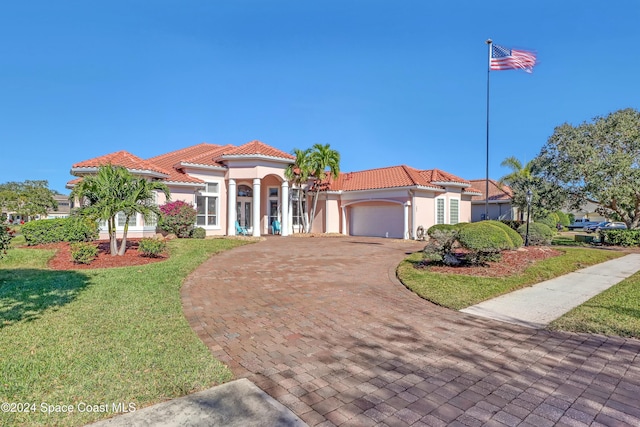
{"points": [[458, 291], [615, 311], [100, 336]]}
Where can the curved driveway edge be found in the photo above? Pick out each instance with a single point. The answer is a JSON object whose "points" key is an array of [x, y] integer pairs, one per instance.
{"points": [[323, 326]]}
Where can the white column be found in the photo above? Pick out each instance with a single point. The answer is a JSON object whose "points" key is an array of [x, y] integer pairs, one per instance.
{"points": [[231, 213], [406, 221], [256, 207], [284, 208], [344, 220]]}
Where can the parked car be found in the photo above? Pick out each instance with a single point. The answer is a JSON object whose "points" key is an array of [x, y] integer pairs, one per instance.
{"points": [[582, 223], [606, 225]]}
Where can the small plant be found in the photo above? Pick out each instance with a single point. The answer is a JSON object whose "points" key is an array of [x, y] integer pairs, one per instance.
{"points": [[178, 218], [5, 239], [83, 252], [151, 247], [199, 233]]}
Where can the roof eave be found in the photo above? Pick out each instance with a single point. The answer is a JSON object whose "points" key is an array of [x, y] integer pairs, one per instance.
{"points": [[80, 171], [256, 157], [201, 166], [451, 184]]}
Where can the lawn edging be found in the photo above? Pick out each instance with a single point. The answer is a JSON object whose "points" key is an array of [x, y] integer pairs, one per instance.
{"points": [[458, 291]]}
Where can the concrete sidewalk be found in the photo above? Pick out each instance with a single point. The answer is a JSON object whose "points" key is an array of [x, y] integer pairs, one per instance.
{"points": [[238, 403], [538, 305]]}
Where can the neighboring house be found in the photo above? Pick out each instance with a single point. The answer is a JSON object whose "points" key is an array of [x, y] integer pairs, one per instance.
{"points": [[63, 210], [247, 184], [500, 198], [588, 211]]}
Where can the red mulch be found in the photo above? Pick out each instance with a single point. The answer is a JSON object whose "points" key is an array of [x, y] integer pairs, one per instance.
{"points": [[62, 259], [512, 262]]}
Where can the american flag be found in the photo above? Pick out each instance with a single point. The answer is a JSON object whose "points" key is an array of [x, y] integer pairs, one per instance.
{"points": [[503, 58]]}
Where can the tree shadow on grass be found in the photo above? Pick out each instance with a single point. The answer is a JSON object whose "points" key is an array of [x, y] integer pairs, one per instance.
{"points": [[26, 293]]}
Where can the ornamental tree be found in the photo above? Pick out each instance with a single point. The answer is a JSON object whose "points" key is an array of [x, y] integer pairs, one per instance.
{"points": [[598, 162]]}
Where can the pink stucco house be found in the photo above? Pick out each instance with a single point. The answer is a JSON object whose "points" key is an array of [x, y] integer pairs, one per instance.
{"points": [[247, 184]]}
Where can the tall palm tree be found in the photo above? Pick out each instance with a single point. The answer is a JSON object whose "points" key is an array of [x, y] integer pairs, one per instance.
{"points": [[324, 163], [114, 189], [298, 173]]}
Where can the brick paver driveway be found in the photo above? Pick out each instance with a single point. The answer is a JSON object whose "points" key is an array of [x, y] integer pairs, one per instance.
{"points": [[323, 325]]}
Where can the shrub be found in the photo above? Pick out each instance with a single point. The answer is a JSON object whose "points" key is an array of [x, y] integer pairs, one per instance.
{"points": [[485, 236], [83, 252], [563, 218], [440, 227], [539, 234], [512, 223], [440, 246], [621, 237], [199, 233], [550, 221], [151, 247], [5, 239], [72, 229], [178, 218], [513, 234]]}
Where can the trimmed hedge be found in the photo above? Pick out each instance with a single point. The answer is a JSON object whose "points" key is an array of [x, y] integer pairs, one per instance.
{"points": [[72, 229], [151, 247], [512, 223], [83, 252], [621, 237], [539, 234], [485, 237], [513, 234]]}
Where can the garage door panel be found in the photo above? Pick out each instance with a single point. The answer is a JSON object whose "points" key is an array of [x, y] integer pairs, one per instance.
{"points": [[377, 221]]}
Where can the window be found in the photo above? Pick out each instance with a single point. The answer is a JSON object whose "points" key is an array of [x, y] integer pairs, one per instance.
{"points": [[440, 211], [273, 192], [454, 216], [207, 205], [152, 220], [295, 211], [122, 218], [245, 191]]}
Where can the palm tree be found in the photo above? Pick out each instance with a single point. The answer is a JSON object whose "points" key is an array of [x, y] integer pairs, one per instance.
{"points": [[114, 189], [324, 163], [520, 179], [298, 173]]}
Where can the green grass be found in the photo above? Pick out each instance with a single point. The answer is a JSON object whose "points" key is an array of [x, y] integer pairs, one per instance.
{"points": [[100, 336], [615, 311], [458, 291]]}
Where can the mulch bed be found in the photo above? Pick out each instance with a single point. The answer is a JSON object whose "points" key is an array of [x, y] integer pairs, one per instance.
{"points": [[512, 262], [62, 259]]}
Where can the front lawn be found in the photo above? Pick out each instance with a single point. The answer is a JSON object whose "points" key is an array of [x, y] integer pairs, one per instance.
{"points": [[99, 336], [458, 291], [615, 311]]}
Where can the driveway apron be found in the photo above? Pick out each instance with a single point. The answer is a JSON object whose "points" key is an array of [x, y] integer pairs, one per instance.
{"points": [[323, 326]]}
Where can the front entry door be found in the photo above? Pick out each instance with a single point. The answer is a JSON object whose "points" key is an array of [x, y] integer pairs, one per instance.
{"points": [[244, 212]]}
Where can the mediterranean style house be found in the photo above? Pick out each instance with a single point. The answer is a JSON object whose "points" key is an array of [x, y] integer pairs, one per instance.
{"points": [[500, 198], [244, 186]]}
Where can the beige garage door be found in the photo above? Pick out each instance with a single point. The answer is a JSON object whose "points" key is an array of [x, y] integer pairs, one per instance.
{"points": [[377, 221]]}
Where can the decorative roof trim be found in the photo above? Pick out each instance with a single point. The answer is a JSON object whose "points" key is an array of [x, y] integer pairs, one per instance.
{"points": [[200, 166], [404, 187], [184, 184], [79, 171], [451, 184]]}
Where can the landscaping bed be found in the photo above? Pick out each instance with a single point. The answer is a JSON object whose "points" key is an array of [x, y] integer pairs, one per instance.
{"points": [[62, 259]]}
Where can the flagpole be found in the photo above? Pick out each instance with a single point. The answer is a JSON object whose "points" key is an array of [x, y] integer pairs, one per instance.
{"points": [[486, 186]]}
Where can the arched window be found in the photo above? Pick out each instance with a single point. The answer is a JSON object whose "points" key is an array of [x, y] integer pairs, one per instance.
{"points": [[244, 191]]}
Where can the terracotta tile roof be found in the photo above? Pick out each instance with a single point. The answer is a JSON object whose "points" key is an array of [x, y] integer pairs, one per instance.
{"points": [[258, 148], [73, 182], [122, 158], [170, 160], [496, 192], [390, 177]]}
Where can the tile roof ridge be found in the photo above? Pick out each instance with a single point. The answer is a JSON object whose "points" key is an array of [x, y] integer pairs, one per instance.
{"points": [[191, 147]]}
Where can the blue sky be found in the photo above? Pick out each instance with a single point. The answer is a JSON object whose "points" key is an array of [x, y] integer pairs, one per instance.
{"points": [[384, 82]]}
